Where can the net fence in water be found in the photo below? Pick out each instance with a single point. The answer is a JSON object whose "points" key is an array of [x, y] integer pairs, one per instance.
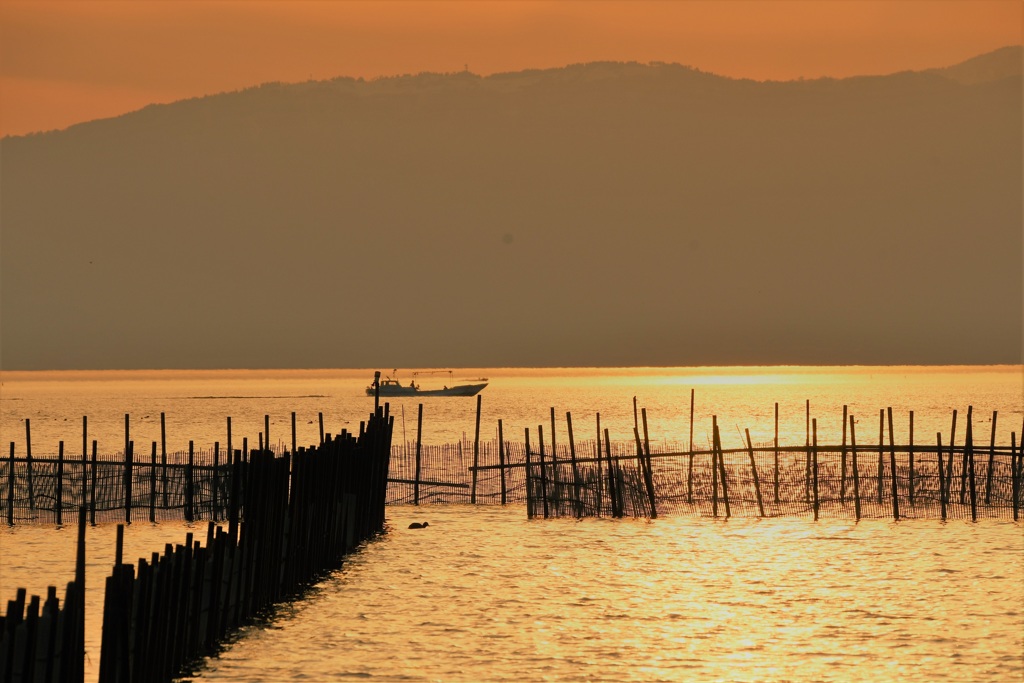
{"points": [[570, 480]]}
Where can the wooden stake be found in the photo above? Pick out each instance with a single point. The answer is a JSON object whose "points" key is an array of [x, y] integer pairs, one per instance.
{"points": [[942, 479], [753, 471], [842, 463], [419, 436], [969, 462], [58, 506], [163, 455], [501, 461], [856, 474], [28, 465], [476, 451], [152, 484], [543, 474], [689, 470], [775, 471], [578, 502], [892, 467], [991, 460], [910, 482], [881, 454], [814, 465]]}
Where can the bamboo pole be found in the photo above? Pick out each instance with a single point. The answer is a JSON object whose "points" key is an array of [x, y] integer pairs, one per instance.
{"points": [[892, 467], [814, 465], [28, 465], [969, 460], [556, 496], [991, 460], [856, 474], [910, 449], [721, 465], [648, 466], [213, 479], [58, 505], [530, 505], [942, 479], [419, 436], [320, 420], [476, 451], [842, 462], [163, 454], [949, 465], [293, 432], [881, 454], [10, 488], [1016, 462], [501, 461], [152, 484], [753, 471], [128, 457], [92, 489], [689, 470], [612, 479], [807, 455], [714, 466], [600, 475], [575, 468], [85, 458], [543, 474], [775, 471]]}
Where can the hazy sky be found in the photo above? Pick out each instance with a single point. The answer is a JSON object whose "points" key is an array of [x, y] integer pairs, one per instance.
{"points": [[66, 62]]}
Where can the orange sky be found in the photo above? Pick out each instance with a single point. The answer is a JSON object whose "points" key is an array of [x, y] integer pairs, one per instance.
{"points": [[70, 61]]}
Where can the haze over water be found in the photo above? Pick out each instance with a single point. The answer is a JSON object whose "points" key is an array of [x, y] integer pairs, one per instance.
{"points": [[484, 594]]}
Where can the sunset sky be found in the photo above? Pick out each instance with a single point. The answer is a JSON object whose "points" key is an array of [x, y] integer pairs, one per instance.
{"points": [[66, 62]]}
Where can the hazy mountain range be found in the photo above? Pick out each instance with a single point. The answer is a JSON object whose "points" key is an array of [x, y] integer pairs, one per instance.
{"points": [[597, 214]]}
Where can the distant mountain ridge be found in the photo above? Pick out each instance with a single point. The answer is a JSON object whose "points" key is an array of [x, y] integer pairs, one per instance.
{"points": [[597, 214]]}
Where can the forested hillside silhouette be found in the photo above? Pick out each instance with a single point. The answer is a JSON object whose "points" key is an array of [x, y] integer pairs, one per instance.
{"points": [[597, 214]]}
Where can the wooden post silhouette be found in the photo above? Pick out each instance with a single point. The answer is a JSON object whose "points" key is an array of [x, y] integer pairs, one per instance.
{"points": [[910, 481], [476, 451], [689, 470], [28, 465], [58, 506], [501, 461], [419, 436], [881, 454], [775, 471], [949, 465], [575, 468], [543, 474], [842, 462], [152, 484], [753, 472], [969, 458], [163, 455], [92, 489], [814, 465], [991, 460], [942, 479], [856, 474], [892, 466]]}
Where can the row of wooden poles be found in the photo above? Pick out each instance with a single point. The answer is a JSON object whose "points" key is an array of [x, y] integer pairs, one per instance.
{"points": [[160, 494], [302, 513], [42, 641], [634, 487], [184, 474]]}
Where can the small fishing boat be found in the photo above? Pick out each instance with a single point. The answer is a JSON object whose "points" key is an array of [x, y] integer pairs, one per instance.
{"points": [[392, 387]]}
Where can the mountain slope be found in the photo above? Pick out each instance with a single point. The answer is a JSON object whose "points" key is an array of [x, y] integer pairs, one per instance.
{"points": [[600, 214]]}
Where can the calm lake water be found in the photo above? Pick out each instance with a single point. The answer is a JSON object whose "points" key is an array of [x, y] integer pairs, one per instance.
{"points": [[483, 594]]}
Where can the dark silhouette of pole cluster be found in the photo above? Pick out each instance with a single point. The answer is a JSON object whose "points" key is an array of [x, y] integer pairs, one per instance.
{"points": [[290, 519], [42, 641], [967, 480]]}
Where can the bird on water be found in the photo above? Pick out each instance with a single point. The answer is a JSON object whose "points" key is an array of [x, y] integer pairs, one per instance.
{"points": [[419, 525]]}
